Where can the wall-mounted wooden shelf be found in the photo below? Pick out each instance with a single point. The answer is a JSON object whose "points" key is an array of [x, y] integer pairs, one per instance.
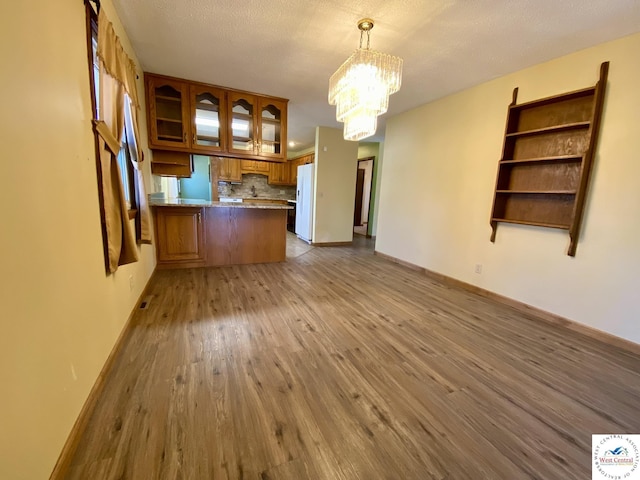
{"points": [[557, 158], [546, 162], [551, 129]]}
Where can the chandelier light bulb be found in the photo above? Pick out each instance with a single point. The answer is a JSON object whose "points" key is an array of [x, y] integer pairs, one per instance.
{"points": [[360, 88]]}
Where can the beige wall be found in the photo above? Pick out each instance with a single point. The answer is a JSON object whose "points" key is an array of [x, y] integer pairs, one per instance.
{"points": [[437, 189], [335, 186], [60, 313]]}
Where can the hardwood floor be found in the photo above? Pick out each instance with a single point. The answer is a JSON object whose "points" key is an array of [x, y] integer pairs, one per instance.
{"points": [[339, 364]]}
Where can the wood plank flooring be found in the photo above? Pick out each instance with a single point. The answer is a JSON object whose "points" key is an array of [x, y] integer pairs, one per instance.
{"points": [[339, 364]]}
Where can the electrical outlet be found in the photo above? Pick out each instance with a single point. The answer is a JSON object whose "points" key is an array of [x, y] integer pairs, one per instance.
{"points": [[131, 283], [478, 268]]}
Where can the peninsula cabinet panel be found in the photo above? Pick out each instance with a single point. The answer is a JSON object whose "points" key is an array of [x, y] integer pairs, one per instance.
{"points": [[547, 157], [179, 235], [232, 233]]}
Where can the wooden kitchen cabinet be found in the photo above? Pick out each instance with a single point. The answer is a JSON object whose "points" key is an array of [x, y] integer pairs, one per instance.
{"points": [[279, 174], [254, 166], [215, 234], [272, 128], [179, 235], [257, 125], [229, 170], [295, 163], [167, 113], [208, 119], [205, 119], [242, 123], [171, 164]]}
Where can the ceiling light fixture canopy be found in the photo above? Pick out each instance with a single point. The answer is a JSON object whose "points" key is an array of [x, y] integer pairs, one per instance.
{"points": [[360, 88]]}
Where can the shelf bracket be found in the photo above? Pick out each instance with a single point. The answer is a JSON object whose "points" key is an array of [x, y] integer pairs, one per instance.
{"points": [[573, 244], [514, 98], [494, 228]]}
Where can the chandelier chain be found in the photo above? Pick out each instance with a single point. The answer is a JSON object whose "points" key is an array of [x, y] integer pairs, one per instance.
{"points": [[362, 32], [360, 88]]}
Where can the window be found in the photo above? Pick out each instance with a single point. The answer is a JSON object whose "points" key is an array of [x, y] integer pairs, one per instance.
{"points": [[127, 155], [128, 152]]}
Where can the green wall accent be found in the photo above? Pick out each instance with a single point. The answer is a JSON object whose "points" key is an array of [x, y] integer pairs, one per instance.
{"points": [[365, 150], [199, 185]]}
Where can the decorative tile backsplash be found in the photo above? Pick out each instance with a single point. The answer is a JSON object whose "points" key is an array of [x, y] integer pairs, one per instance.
{"points": [[262, 188]]}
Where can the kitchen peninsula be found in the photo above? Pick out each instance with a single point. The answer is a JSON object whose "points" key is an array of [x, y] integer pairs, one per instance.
{"points": [[199, 233]]}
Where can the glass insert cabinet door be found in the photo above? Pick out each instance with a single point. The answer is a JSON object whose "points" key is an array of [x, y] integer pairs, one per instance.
{"points": [[169, 113], [208, 127], [242, 123], [272, 116]]}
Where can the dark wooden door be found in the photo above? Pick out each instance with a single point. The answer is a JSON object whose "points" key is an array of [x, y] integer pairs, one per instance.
{"points": [[357, 211]]}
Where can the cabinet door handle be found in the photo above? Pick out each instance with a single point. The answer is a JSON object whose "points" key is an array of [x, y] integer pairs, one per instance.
{"points": [[199, 217], [194, 138], [184, 137]]}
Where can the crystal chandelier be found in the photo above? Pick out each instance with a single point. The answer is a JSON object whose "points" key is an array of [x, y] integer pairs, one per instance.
{"points": [[360, 88]]}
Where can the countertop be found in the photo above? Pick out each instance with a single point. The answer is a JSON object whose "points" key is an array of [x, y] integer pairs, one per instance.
{"points": [[254, 199], [188, 202]]}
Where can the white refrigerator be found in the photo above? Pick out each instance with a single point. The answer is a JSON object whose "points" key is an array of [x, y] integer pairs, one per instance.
{"points": [[304, 202]]}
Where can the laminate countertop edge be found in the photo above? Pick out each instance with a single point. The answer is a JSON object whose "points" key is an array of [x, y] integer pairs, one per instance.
{"points": [[204, 203]]}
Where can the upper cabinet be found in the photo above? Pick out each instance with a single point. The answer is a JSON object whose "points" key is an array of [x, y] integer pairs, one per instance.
{"points": [[204, 119], [229, 170], [294, 163], [254, 166], [279, 174], [272, 127], [208, 119], [168, 113], [242, 123]]}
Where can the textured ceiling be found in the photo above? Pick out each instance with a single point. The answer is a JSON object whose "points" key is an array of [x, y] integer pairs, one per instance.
{"points": [[290, 48]]}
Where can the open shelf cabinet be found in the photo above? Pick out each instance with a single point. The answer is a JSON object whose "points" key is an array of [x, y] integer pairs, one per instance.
{"points": [[547, 155]]}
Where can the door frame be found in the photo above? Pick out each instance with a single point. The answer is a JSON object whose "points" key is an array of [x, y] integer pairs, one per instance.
{"points": [[373, 164]]}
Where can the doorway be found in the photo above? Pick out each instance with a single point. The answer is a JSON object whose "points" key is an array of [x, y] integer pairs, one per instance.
{"points": [[362, 206]]}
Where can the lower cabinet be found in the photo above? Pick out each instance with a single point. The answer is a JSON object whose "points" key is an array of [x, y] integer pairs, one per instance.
{"points": [[180, 236], [189, 237]]}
